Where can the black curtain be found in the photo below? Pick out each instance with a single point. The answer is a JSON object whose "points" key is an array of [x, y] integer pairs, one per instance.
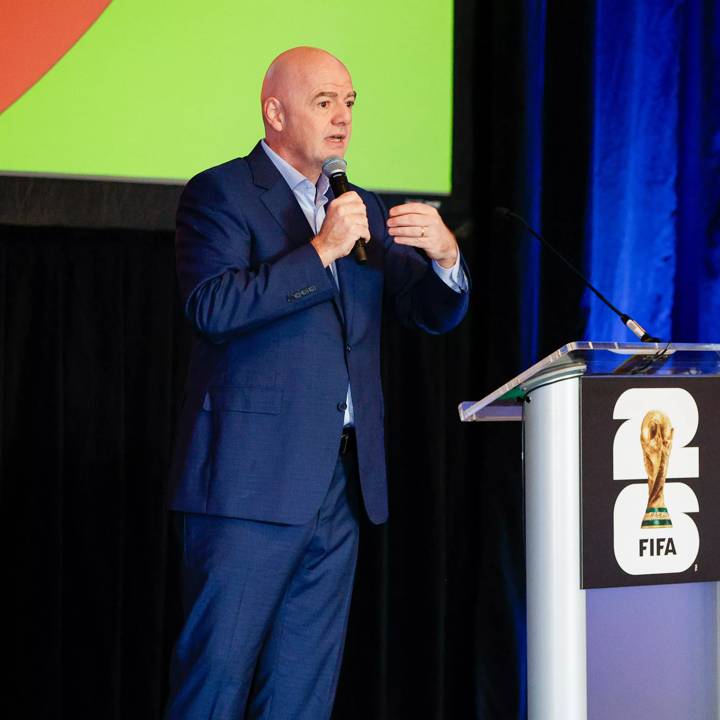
{"points": [[89, 361], [91, 364]]}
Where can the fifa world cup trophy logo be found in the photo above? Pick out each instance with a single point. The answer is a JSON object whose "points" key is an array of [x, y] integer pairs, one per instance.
{"points": [[656, 435]]}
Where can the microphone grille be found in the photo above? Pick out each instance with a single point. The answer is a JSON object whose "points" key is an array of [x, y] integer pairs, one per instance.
{"points": [[334, 165]]}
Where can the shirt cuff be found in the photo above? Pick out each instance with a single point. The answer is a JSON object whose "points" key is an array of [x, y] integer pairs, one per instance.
{"points": [[453, 277]]}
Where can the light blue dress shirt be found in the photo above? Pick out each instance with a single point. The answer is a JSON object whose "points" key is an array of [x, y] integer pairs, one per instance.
{"points": [[312, 200]]}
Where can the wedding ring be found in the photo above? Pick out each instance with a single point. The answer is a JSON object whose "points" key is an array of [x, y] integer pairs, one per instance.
{"points": [[422, 232]]}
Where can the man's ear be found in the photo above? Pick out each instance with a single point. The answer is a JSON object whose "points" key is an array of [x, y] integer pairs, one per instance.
{"points": [[274, 115]]}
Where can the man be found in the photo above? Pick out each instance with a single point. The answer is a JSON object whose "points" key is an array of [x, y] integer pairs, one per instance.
{"points": [[282, 423]]}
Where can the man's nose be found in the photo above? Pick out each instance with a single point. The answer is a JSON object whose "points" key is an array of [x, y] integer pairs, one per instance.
{"points": [[342, 116]]}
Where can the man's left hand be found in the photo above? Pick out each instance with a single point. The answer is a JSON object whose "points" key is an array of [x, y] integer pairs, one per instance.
{"points": [[420, 225]]}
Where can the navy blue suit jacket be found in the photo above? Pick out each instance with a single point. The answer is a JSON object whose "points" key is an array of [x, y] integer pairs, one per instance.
{"points": [[276, 346]]}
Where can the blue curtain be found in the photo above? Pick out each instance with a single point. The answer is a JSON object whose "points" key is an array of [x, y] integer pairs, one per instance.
{"points": [[653, 221], [648, 142]]}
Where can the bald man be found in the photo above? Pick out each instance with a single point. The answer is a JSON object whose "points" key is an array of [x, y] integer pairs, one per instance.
{"points": [[280, 439]]}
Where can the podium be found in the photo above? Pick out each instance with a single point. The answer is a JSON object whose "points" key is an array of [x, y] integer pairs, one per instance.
{"points": [[622, 615]]}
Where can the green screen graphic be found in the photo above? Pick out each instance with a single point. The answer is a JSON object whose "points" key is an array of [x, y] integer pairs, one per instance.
{"points": [[161, 90]]}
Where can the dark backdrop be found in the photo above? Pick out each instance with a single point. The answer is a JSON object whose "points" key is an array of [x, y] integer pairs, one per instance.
{"points": [[92, 359]]}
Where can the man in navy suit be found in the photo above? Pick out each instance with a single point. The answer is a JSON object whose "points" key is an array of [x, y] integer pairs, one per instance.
{"points": [[281, 431]]}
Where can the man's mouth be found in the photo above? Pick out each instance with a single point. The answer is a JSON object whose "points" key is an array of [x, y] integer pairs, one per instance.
{"points": [[336, 138]]}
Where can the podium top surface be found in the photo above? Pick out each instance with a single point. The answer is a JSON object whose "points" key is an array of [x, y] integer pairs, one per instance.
{"points": [[593, 358]]}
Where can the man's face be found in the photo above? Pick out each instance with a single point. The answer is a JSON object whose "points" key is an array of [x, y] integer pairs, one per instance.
{"points": [[316, 114]]}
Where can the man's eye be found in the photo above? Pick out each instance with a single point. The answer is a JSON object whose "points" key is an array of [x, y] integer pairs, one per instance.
{"points": [[324, 103], [350, 103]]}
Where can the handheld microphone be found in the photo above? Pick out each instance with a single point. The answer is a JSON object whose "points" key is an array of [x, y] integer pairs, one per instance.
{"points": [[634, 327], [334, 169]]}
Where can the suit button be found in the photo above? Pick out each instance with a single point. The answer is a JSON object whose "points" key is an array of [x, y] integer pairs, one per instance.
{"points": [[347, 348], [342, 406]]}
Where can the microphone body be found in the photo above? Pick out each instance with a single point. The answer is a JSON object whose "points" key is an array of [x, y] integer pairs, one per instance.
{"points": [[339, 184], [334, 169]]}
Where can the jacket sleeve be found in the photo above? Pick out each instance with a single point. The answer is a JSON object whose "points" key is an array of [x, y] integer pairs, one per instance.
{"points": [[419, 298], [224, 291]]}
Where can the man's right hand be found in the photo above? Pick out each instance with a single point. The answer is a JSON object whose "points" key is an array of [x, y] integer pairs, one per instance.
{"points": [[345, 223]]}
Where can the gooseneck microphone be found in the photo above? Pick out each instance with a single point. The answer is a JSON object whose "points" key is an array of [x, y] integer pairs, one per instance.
{"points": [[334, 169], [630, 324]]}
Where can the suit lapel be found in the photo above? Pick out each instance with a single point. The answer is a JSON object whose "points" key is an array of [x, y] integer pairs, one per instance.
{"points": [[282, 204], [339, 297], [347, 270], [278, 198]]}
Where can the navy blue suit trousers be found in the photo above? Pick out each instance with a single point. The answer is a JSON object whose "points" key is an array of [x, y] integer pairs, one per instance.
{"points": [[266, 609]]}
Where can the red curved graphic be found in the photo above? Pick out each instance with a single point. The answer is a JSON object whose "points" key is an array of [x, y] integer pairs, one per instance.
{"points": [[34, 35]]}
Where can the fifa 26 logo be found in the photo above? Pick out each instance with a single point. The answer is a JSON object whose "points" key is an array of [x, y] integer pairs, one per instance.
{"points": [[653, 532]]}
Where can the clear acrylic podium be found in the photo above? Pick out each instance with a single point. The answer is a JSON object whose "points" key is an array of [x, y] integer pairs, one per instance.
{"points": [[626, 653]]}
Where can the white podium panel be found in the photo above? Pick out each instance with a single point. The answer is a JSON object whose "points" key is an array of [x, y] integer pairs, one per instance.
{"points": [[555, 602]]}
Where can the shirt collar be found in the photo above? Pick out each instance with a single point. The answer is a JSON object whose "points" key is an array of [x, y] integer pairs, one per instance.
{"points": [[294, 178]]}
